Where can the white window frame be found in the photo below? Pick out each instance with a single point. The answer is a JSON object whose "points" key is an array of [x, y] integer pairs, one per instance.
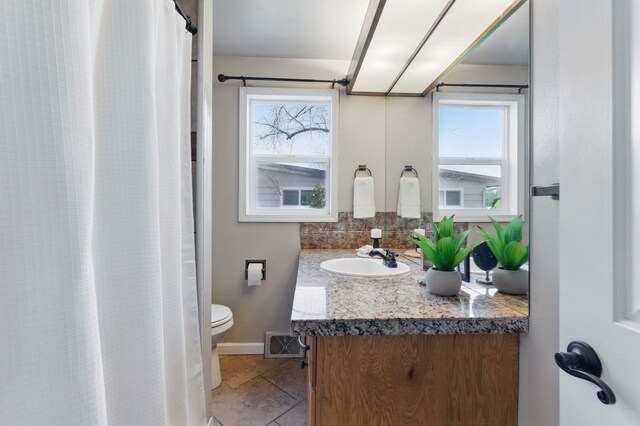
{"points": [[512, 162], [247, 205], [460, 190]]}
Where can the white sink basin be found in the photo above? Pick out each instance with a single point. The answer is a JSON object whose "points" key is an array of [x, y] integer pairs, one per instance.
{"points": [[363, 267]]}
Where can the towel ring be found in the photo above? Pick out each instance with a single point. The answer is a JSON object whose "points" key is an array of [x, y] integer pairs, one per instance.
{"points": [[408, 169], [362, 168]]}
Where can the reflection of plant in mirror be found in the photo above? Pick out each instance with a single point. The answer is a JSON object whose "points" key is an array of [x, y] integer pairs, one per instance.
{"points": [[446, 251], [507, 244], [318, 197]]}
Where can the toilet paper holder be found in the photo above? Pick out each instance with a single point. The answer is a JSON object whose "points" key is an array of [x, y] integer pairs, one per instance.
{"points": [[264, 268]]}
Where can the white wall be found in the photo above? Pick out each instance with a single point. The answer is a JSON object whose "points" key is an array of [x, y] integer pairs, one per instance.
{"points": [[538, 399], [362, 141], [408, 142]]}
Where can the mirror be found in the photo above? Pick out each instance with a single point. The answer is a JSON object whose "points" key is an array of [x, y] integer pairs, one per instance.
{"points": [[475, 142]]}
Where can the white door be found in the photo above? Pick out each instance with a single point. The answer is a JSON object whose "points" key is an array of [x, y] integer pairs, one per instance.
{"points": [[600, 204]]}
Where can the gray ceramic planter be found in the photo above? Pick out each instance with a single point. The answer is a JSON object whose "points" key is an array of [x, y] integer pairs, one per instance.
{"points": [[443, 283], [511, 282]]}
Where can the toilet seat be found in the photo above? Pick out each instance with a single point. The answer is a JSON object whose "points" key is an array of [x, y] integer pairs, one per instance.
{"points": [[220, 315]]}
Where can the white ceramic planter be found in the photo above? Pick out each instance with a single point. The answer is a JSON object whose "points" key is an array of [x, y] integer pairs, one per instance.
{"points": [[511, 282], [443, 283]]}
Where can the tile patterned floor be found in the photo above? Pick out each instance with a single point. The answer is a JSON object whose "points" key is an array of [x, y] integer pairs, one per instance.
{"points": [[260, 392]]}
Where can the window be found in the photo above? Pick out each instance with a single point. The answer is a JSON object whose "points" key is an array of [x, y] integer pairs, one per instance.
{"points": [[478, 155], [288, 155], [451, 197], [297, 197]]}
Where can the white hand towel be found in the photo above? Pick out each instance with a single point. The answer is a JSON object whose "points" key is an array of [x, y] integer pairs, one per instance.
{"points": [[363, 203], [364, 250], [409, 198]]}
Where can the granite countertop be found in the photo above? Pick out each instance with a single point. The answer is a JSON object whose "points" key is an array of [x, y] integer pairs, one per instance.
{"points": [[327, 304]]}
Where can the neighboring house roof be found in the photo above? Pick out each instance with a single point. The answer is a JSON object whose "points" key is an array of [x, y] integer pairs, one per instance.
{"points": [[463, 176], [297, 170]]}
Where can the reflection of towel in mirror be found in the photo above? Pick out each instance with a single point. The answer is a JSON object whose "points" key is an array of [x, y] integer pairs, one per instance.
{"points": [[363, 203], [409, 198]]}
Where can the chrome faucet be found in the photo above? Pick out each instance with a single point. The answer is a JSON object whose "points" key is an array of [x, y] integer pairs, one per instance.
{"points": [[388, 258]]}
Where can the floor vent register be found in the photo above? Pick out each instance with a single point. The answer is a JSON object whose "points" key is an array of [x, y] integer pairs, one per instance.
{"points": [[280, 344]]}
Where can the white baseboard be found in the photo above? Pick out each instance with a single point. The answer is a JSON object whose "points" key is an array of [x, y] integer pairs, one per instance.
{"points": [[240, 348]]}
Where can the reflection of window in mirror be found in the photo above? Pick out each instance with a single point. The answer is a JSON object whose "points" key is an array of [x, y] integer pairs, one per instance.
{"points": [[451, 198], [478, 155], [288, 155]]}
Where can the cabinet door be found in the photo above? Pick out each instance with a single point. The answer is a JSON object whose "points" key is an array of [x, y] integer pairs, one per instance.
{"points": [[416, 380]]}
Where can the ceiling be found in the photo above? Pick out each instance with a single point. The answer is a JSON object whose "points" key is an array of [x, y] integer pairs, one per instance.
{"points": [[329, 29], [508, 45], [305, 29]]}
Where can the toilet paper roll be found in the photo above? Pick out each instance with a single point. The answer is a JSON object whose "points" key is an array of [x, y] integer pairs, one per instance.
{"points": [[254, 274]]}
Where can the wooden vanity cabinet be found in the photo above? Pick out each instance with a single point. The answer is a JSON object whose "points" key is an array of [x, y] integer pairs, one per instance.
{"points": [[463, 379]]}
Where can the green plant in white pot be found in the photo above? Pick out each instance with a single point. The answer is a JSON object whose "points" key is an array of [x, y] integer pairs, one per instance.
{"points": [[506, 245], [446, 252]]}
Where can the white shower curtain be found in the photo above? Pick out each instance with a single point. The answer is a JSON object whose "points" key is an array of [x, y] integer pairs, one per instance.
{"points": [[98, 303]]}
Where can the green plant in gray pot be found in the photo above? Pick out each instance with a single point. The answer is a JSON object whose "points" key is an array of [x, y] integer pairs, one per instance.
{"points": [[506, 245], [446, 252]]}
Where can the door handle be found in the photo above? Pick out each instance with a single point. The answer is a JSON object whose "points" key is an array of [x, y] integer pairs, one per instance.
{"points": [[303, 345], [581, 361], [305, 348], [540, 191]]}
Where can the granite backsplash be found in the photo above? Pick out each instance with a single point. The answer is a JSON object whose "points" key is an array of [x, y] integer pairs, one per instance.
{"points": [[350, 233]]}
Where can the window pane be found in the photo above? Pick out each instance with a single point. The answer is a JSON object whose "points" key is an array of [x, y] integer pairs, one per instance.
{"points": [[305, 197], [453, 198], [473, 182], [471, 132], [492, 199], [274, 177], [286, 128], [290, 198]]}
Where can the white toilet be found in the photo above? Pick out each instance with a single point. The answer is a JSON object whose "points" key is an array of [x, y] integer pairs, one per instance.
{"points": [[221, 322]]}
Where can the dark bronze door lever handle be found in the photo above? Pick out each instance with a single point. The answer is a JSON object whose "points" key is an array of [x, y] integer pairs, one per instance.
{"points": [[581, 361]]}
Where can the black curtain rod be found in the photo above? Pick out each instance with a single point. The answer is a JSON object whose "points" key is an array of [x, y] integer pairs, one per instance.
{"points": [[222, 78], [520, 87], [189, 26]]}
